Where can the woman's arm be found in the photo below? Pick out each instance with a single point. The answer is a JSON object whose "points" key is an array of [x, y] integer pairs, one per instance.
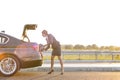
{"points": [[47, 46], [41, 55]]}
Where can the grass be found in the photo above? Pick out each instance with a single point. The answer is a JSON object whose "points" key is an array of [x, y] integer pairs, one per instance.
{"points": [[85, 57], [104, 57]]}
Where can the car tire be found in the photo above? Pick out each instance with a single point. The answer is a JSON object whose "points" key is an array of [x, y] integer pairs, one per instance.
{"points": [[9, 65]]}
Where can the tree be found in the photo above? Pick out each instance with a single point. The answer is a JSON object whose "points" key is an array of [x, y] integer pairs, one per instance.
{"points": [[95, 47], [102, 48], [68, 47], [88, 47], [112, 48], [77, 46]]}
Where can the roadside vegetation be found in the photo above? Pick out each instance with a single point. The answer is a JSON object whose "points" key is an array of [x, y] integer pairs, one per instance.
{"points": [[92, 47]]}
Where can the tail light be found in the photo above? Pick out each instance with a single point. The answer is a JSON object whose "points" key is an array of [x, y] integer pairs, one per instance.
{"points": [[35, 47]]}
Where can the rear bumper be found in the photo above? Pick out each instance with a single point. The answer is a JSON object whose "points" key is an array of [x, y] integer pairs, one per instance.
{"points": [[29, 64]]}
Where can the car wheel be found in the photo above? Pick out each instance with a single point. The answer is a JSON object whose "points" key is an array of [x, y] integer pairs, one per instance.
{"points": [[9, 65]]}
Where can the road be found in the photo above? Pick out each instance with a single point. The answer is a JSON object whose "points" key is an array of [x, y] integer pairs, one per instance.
{"points": [[72, 72], [67, 76]]}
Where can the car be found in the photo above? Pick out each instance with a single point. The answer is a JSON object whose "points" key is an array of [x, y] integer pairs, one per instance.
{"points": [[16, 54]]}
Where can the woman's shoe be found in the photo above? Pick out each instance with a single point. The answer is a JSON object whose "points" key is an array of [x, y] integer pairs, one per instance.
{"points": [[50, 71], [62, 73]]}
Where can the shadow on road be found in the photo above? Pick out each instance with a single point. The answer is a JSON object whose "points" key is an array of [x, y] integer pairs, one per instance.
{"points": [[67, 76], [33, 76]]}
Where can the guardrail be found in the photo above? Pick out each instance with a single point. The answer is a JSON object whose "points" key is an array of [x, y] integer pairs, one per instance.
{"points": [[89, 56]]}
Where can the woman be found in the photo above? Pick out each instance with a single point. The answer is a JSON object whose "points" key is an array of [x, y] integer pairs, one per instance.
{"points": [[56, 50]]}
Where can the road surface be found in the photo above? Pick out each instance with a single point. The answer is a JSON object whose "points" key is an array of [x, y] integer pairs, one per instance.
{"points": [[66, 76], [72, 72]]}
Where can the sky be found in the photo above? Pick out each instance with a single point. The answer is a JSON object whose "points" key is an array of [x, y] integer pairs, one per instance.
{"points": [[83, 22]]}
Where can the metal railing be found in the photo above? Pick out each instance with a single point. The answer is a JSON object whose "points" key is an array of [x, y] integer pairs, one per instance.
{"points": [[89, 56]]}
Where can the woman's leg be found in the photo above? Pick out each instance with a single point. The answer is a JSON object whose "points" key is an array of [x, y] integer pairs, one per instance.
{"points": [[61, 63], [52, 64]]}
